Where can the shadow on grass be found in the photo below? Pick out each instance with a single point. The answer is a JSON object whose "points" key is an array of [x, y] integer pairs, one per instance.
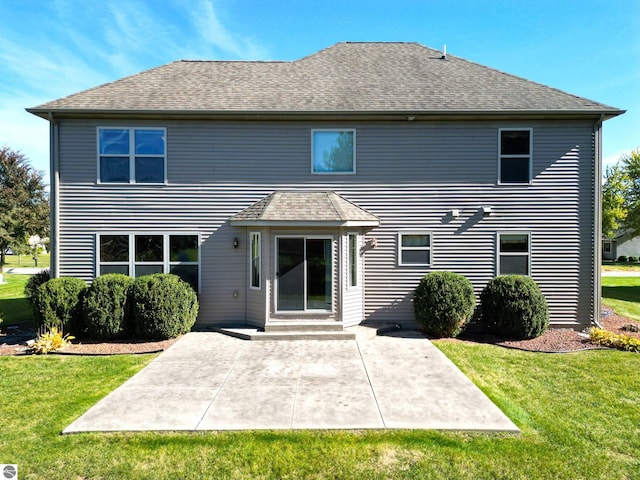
{"points": [[15, 310], [626, 293]]}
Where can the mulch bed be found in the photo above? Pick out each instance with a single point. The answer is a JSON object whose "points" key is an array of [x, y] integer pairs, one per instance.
{"points": [[613, 323], [554, 340], [13, 338]]}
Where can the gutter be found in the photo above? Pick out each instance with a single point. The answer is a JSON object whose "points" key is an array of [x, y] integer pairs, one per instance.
{"points": [[54, 212], [597, 222], [401, 115]]}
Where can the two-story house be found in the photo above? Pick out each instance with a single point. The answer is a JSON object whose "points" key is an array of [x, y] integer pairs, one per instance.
{"points": [[320, 191]]}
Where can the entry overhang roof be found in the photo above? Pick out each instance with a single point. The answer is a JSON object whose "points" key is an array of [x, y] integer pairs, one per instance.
{"points": [[304, 209]]}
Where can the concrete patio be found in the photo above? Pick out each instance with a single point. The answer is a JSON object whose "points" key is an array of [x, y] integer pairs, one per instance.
{"points": [[209, 381]]}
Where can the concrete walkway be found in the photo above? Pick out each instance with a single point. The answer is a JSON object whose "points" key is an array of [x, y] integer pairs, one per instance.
{"points": [[621, 273], [23, 270], [209, 381]]}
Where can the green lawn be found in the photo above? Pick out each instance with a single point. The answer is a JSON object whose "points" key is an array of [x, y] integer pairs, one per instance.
{"points": [[622, 294], [14, 307], [578, 414], [26, 261]]}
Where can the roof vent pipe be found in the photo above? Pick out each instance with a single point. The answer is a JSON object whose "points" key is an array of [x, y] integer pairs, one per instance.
{"points": [[444, 52]]}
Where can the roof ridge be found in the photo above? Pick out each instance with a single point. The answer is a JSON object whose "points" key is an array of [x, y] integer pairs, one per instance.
{"points": [[336, 208], [349, 202], [518, 77], [229, 61], [321, 51], [268, 201]]}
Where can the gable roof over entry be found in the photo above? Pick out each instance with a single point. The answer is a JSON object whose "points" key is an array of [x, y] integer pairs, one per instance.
{"points": [[308, 209], [370, 78]]}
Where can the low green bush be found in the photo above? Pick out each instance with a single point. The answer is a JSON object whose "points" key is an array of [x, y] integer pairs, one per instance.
{"points": [[106, 307], [164, 306], [623, 258], [633, 259], [34, 282], [57, 303], [443, 303], [513, 306]]}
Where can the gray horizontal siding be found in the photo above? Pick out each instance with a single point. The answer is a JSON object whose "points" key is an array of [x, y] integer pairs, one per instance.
{"points": [[408, 174]]}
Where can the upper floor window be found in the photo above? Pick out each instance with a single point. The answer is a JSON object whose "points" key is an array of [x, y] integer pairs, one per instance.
{"points": [[514, 253], [132, 155], [515, 156], [333, 151], [414, 248]]}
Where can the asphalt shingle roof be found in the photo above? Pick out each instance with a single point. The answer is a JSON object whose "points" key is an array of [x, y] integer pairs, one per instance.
{"points": [[344, 78], [303, 207]]}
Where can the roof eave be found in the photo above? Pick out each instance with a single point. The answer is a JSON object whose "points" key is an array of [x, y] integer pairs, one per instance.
{"points": [[403, 115], [304, 223]]}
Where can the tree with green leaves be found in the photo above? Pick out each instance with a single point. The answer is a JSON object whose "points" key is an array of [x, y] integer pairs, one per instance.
{"points": [[24, 203], [615, 201], [631, 166]]}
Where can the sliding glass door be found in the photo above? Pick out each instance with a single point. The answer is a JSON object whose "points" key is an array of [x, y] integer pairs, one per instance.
{"points": [[304, 273]]}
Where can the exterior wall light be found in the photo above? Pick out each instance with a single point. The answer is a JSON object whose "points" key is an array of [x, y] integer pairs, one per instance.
{"points": [[455, 213], [235, 242], [486, 211]]}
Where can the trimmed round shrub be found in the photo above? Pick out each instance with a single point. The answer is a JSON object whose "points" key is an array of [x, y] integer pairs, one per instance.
{"points": [[623, 258], [57, 303], [443, 303], [513, 307], [34, 282], [633, 259], [164, 306], [106, 307]]}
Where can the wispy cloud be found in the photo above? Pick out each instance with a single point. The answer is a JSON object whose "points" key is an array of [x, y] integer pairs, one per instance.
{"points": [[220, 38], [61, 47]]}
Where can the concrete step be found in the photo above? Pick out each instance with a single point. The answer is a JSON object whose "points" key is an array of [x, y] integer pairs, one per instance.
{"points": [[305, 332], [249, 333], [288, 326]]}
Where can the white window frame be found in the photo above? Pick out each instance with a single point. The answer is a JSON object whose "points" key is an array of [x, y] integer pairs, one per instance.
{"points": [[166, 262], [356, 261], [132, 155], [335, 130], [258, 236], [126, 263], [400, 248], [513, 254], [333, 275], [153, 263], [500, 156]]}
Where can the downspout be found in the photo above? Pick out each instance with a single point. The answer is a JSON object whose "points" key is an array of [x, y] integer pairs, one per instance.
{"points": [[54, 211], [597, 227]]}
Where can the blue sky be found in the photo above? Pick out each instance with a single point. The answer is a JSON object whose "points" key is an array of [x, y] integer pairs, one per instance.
{"points": [[52, 48]]}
